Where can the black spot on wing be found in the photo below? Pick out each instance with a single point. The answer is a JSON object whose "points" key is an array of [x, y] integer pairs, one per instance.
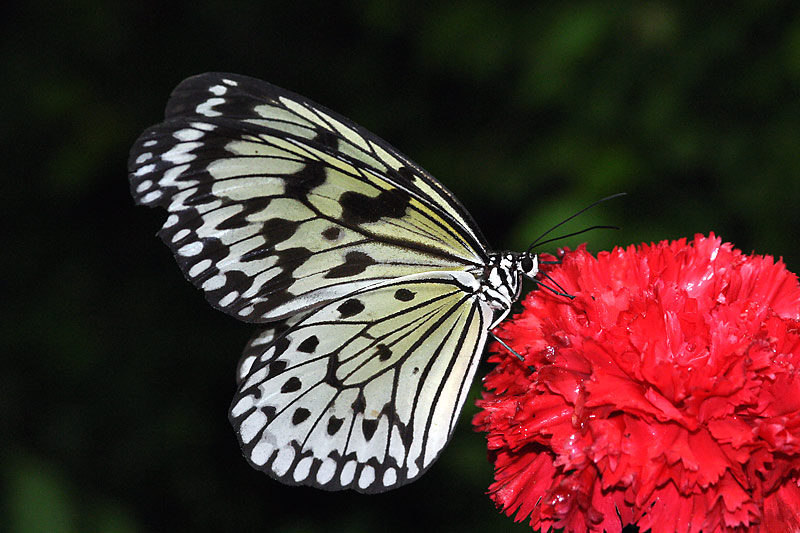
{"points": [[281, 344], [334, 424], [300, 415], [354, 263], [332, 233], [383, 352], [350, 308], [293, 384], [309, 345], [359, 208], [368, 426], [270, 412], [275, 368], [404, 295]]}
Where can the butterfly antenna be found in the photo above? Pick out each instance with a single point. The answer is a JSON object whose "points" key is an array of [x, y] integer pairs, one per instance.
{"points": [[600, 201], [551, 239], [560, 292]]}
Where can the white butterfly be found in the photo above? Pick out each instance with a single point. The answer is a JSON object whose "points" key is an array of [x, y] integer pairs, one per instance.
{"points": [[376, 288]]}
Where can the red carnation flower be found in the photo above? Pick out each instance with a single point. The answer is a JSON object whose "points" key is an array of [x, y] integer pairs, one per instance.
{"points": [[664, 395]]}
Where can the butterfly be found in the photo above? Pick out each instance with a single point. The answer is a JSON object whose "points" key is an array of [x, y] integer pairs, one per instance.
{"points": [[374, 288]]}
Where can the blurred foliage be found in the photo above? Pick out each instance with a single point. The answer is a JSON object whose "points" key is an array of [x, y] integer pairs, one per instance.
{"points": [[118, 375]]}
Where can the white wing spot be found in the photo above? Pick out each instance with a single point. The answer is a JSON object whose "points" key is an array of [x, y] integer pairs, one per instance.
{"points": [[347, 474], [202, 126], [187, 134], [283, 462], [241, 406], [219, 90], [230, 82], [171, 221], [261, 452], [214, 283], [252, 425], [143, 186], [191, 249], [199, 268], [180, 235], [206, 107], [302, 469], [326, 471], [143, 157], [149, 143], [144, 170], [246, 310], [149, 197], [244, 369], [229, 298], [389, 477], [367, 477]]}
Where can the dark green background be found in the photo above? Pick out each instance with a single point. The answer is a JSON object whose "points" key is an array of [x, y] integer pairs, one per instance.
{"points": [[117, 375]]}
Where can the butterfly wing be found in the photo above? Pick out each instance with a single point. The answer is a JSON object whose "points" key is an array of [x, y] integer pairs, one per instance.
{"points": [[362, 265], [277, 205], [365, 391]]}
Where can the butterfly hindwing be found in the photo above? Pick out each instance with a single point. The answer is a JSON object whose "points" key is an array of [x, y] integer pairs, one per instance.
{"points": [[364, 392], [277, 205]]}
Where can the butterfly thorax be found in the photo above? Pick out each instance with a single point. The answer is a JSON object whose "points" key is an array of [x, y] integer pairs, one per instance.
{"points": [[501, 282]]}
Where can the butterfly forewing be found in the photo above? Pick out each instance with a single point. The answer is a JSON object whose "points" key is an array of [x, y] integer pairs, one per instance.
{"points": [[364, 392], [277, 204]]}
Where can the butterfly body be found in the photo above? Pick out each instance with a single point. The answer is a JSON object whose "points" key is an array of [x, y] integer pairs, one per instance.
{"points": [[375, 288], [502, 281]]}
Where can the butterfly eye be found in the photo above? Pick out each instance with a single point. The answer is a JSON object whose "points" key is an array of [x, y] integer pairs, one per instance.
{"points": [[526, 264]]}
